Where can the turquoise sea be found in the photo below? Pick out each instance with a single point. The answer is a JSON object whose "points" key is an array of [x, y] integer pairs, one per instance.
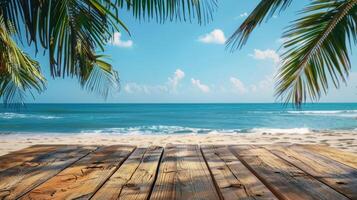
{"points": [[176, 118]]}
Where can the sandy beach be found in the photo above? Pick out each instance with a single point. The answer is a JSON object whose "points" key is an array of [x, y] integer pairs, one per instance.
{"points": [[343, 140]]}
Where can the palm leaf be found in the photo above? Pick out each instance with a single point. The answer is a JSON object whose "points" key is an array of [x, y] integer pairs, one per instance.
{"points": [[101, 77], [164, 10], [264, 10], [19, 74], [70, 31], [318, 46]]}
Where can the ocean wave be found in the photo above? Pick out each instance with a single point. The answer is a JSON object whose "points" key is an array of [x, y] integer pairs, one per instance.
{"points": [[336, 113], [165, 130], [10, 115], [160, 130], [280, 130]]}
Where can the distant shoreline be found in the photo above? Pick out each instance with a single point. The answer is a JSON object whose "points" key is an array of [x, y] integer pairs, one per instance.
{"points": [[173, 103]]}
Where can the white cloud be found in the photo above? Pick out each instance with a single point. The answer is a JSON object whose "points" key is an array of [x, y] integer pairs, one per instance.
{"points": [[240, 16], [263, 86], [117, 41], [266, 54], [238, 85], [214, 37], [197, 83], [133, 88], [175, 80], [245, 14], [170, 86]]}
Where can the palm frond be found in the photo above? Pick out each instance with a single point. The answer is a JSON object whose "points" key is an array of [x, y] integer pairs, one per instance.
{"points": [[264, 10], [71, 30], [317, 46], [101, 77], [19, 74], [95, 73], [164, 10]]}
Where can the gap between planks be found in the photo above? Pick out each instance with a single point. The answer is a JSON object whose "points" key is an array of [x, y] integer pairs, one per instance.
{"points": [[231, 148], [284, 179], [336, 175]]}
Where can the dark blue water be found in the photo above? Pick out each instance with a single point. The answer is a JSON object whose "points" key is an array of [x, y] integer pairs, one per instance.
{"points": [[176, 118]]}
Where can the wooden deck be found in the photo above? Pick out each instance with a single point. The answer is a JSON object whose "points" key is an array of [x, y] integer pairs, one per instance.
{"points": [[179, 172]]}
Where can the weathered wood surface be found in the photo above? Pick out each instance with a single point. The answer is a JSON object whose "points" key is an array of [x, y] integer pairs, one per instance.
{"points": [[82, 179], [233, 179], [176, 172], [135, 177], [20, 179], [18, 157], [344, 157], [183, 174], [335, 174], [285, 180]]}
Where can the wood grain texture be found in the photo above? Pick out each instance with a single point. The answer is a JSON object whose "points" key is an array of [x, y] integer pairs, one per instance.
{"points": [[344, 157], [287, 172], [282, 178], [20, 179], [19, 157], [183, 174], [135, 177], [335, 174], [82, 179], [234, 180]]}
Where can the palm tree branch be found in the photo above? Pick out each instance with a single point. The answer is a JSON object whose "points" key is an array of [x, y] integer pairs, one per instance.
{"points": [[264, 10], [317, 42], [19, 74], [169, 10]]}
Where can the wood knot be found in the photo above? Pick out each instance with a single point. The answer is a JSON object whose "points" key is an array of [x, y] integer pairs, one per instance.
{"points": [[236, 185], [340, 183], [30, 164], [132, 186]]}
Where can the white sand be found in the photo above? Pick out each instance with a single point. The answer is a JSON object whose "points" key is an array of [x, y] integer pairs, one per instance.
{"points": [[342, 140]]}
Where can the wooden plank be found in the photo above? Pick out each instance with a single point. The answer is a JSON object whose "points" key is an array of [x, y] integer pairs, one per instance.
{"points": [[344, 157], [183, 174], [283, 179], [135, 177], [19, 157], [335, 174], [234, 180], [18, 180], [82, 179]]}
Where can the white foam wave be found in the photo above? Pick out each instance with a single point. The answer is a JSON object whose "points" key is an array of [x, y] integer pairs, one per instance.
{"points": [[165, 130], [280, 130], [160, 130], [336, 113], [10, 115]]}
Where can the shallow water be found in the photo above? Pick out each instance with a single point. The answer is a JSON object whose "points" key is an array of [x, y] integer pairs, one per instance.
{"points": [[177, 118]]}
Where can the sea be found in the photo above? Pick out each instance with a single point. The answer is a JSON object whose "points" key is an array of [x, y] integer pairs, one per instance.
{"points": [[157, 119]]}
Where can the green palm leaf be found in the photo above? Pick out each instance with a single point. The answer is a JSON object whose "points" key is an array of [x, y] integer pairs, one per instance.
{"points": [[19, 74], [264, 10], [317, 46], [163, 10], [70, 31]]}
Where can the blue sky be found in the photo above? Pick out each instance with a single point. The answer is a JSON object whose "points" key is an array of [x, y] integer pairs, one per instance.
{"points": [[186, 62]]}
